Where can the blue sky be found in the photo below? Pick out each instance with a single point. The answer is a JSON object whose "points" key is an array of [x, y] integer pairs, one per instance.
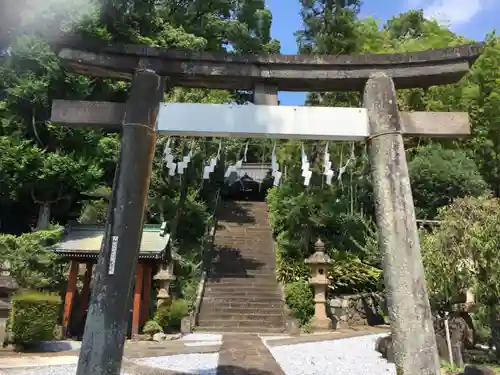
{"points": [[471, 18]]}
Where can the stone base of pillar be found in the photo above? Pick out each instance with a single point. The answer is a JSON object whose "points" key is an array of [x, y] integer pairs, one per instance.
{"points": [[320, 324]]}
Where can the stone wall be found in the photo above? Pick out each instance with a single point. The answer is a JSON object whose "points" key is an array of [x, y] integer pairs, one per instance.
{"points": [[357, 310]]}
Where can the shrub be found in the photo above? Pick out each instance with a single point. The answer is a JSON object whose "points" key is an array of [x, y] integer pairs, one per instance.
{"points": [[299, 298], [178, 310], [33, 318], [151, 327], [162, 314], [32, 264], [169, 315]]}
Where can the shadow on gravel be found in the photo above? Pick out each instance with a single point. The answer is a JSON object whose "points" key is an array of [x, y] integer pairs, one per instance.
{"points": [[131, 368]]}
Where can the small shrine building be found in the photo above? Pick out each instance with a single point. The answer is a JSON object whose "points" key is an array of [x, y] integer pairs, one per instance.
{"points": [[81, 246], [252, 180]]}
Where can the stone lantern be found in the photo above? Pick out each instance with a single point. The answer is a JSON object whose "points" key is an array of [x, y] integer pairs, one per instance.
{"points": [[164, 277], [7, 287], [318, 263]]}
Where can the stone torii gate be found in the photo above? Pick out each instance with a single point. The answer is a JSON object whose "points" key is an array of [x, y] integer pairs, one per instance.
{"points": [[379, 123]]}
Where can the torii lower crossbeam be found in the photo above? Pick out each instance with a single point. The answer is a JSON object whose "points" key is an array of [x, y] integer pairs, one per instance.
{"points": [[260, 121]]}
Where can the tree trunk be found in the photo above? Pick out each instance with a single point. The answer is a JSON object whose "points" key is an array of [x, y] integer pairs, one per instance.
{"points": [[43, 221], [495, 328]]}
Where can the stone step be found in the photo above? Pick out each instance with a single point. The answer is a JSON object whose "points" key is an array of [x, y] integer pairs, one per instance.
{"points": [[223, 270], [237, 304], [267, 282], [229, 289], [245, 282], [265, 319], [239, 299], [241, 252], [206, 328], [240, 271], [232, 245], [264, 234], [251, 266], [249, 295], [244, 257], [216, 277], [264, 308], [255, 324], [242, 291]]}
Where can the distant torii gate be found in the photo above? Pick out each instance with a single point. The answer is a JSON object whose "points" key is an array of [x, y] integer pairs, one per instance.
{"points": [[379, 122]]}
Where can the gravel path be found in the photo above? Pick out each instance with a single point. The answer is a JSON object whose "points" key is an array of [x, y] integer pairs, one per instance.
{"points": [[196, 364], [199, 364], [202, 337], [352, 356], [45, 370]]}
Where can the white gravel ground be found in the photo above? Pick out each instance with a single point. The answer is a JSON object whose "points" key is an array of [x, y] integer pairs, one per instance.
{"points": [[45, 370], [198, 364], [201, 337], [353, 356]]}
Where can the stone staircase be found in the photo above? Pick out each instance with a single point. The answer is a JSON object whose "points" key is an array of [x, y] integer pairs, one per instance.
{"points": [[241, 291]]}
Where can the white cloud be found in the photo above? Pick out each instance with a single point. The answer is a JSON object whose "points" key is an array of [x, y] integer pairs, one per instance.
{"points": [[451, 12]]}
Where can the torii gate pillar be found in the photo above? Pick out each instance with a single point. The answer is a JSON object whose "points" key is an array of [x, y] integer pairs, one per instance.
{"points": [[108, 314], [413, 334]]}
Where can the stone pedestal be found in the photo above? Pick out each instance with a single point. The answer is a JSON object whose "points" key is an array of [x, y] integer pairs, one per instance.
{"points": [[164, 277], [318, 263], [339, 308], [7, 287]]}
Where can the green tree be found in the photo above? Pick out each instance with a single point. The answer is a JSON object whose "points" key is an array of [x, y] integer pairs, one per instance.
{"points": [[468, 236], [439, 176]]}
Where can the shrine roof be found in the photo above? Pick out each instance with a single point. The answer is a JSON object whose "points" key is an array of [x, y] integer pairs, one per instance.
{"points": [[254, 171], [84, 241], [219, 70]]}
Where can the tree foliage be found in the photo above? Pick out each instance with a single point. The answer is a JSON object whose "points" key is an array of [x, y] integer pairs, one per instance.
{"points": [[462, 254]]}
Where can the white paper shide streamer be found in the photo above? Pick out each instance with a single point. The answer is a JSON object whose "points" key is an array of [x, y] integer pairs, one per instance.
{"points": [[344, 167], [275, 167], [212, 163], [306, 172], [168, 158], [182, 165], [328, 172]]}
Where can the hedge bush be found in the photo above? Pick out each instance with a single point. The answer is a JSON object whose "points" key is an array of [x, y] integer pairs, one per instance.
{"points": [[162, 313], [151, 328], [33, 318], [32, 264], [169, 315], [299, 298], [178, 310]]}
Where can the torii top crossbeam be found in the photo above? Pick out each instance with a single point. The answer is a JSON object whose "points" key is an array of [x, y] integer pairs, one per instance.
{"points": [[286, 72]]}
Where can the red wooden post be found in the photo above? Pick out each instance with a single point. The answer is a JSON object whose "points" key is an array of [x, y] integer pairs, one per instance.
{"points": [[148, 275], [136, 312], [84, 297], [70, 294]]}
